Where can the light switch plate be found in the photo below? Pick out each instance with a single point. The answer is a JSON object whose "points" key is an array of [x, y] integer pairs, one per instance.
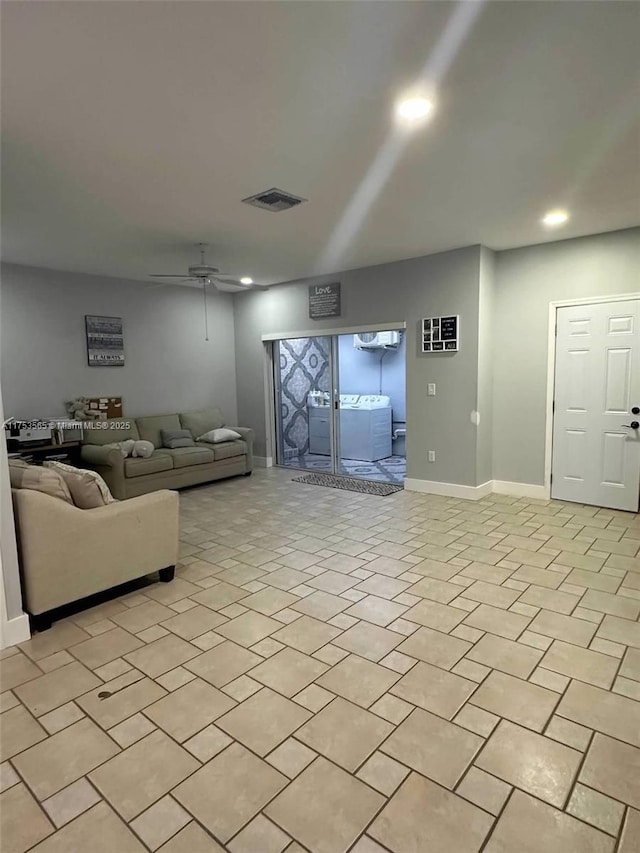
{"points": [[431, 389]]}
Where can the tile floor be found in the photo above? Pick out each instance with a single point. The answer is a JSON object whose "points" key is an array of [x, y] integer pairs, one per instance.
{"points": [[333, 672], [393, 469]]}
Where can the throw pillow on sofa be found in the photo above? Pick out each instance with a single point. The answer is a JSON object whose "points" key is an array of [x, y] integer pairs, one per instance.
{"points": [[173, 438], [40, 479], [88, 489], [215, 436]]}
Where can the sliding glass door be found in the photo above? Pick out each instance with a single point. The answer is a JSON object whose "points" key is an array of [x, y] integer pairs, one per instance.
{"points": [[340, 404]]}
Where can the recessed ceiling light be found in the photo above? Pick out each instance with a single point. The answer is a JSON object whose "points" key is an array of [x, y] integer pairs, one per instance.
{"points": [[555, 218], [414, 108], [246, 280]]}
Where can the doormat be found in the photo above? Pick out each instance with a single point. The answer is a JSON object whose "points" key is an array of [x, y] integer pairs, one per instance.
{"points": [[349, 484]]}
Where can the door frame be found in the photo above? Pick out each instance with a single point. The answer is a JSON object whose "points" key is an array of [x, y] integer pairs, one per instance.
{"points": [[551, 369], [269, 376]]}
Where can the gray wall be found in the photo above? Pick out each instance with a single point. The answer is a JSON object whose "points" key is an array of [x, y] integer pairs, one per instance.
{"points": [[446, 283], [169, 366], [527, 280], [486, 311]]}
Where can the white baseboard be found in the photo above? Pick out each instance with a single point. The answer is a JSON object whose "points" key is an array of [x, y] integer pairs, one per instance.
{"points": [[521, 490], [448, 490], [263, 461], [15, 631]]}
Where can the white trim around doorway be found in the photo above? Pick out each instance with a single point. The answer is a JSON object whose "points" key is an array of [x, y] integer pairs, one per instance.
{"points": [[551, 370], [347, 330]]}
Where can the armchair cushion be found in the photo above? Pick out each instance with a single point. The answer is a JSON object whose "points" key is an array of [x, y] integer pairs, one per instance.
{"points": [[88, 489], [40, 479]]}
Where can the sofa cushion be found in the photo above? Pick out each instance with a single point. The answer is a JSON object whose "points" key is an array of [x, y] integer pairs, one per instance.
{"points": [[173, 438], [200, 422], [185, 456], [87, 488], [45, 480], [137, 466], [111, 432], [150, 429], [228, 449]]}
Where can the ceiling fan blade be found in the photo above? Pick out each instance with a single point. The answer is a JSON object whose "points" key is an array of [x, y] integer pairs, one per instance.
{"points": [[162, 275], [224, 275]]}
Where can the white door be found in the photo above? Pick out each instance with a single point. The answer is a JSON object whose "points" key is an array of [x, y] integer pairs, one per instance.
{"points": [[596, 433]]}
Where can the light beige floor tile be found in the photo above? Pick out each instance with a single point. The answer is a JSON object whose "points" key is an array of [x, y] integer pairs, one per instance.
{"points": [[8, 776], [561, 627], [398, 662], [431, 614], [630, 832], [249, 628], [313, 697], [60, 636], [189, 709], [613, 768], [422, 816], [220, 596], [99, 830], [19, 731], [7, 701], [530, 826], [70, 802], [137, 777], [377, 610], [539, 577], [344, 733], [630, 667], [306, 634], [324, 808], [583, 664], [175, 678], [600, 710], [105, 648], [229, 790], [358, 680], [489, 593], [288, 671], [66, 756], [261, 835], [435, 647], [162, 655], [207, 743], [620, 631], [192, 839], [435, 590], [383, 586], [472, 670], [368, 641], [434, 689], [242, 688], [223, 664], [592, 580], [484, 790], [263, 721], [159, 822], [516, 700], [496, 621], [529, 761], [193, 622], [571, 734], [476, 720], [131, 730], [16, 670], [143, 616], [391, 708], [291, 757], [124, 701], [594, 808], [615, 605], [269, 601], [321, 605], [382, 773], [549, 599], [505, 655], [387, 566], [333, 582], [22, 821], [62, 717]]}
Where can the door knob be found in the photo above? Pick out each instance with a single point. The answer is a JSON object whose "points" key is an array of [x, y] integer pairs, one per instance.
{"points": [[635, 410], [632, 425]]}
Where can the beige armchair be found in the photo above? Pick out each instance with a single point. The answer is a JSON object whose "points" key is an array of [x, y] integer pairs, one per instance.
{"points": [[67, 553]]}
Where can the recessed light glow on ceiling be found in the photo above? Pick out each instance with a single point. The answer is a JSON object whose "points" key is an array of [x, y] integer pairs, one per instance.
{"points": [[555, 218], [414, 109], [246, 280]]}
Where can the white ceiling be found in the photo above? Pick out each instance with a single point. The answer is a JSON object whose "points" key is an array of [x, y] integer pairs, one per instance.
{"points": [[132, 130]]}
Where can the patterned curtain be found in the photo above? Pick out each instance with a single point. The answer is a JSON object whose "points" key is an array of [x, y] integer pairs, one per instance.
{"points": [[304, 367]]}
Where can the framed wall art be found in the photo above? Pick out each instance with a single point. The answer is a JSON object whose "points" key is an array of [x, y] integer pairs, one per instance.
{"points": [[105, 341]]}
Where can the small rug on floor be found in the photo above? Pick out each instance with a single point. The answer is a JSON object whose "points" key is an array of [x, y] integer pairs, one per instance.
{"points": [[350, 484]]}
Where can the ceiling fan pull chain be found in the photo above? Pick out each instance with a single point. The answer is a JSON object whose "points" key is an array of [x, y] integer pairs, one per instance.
{"points": [[206, 319]]}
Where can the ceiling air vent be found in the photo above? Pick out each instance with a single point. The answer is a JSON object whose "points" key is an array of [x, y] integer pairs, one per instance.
{"points": [[274, 200]]}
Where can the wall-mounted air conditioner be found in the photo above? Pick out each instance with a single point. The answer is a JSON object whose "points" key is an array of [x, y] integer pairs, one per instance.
{"points": [[376, 340]]}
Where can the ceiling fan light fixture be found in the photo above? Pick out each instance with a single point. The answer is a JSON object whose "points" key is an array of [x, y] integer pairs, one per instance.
{"points": [[246, 280]]}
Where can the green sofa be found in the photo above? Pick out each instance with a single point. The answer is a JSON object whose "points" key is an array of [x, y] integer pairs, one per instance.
{"points": [[165, 468]]}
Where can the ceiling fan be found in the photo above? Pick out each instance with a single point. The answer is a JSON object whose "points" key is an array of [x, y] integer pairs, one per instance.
{"points": [[205, 274]]}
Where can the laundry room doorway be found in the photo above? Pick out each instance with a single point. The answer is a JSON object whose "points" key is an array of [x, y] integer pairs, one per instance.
{"points": [[340, 403]]}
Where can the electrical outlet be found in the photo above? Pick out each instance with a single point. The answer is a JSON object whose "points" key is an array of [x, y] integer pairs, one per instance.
{"points": [[431, 456], [431, 389]]}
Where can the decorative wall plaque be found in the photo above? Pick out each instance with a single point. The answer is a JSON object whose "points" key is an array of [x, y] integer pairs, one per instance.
{"points": [[440, 334]]}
